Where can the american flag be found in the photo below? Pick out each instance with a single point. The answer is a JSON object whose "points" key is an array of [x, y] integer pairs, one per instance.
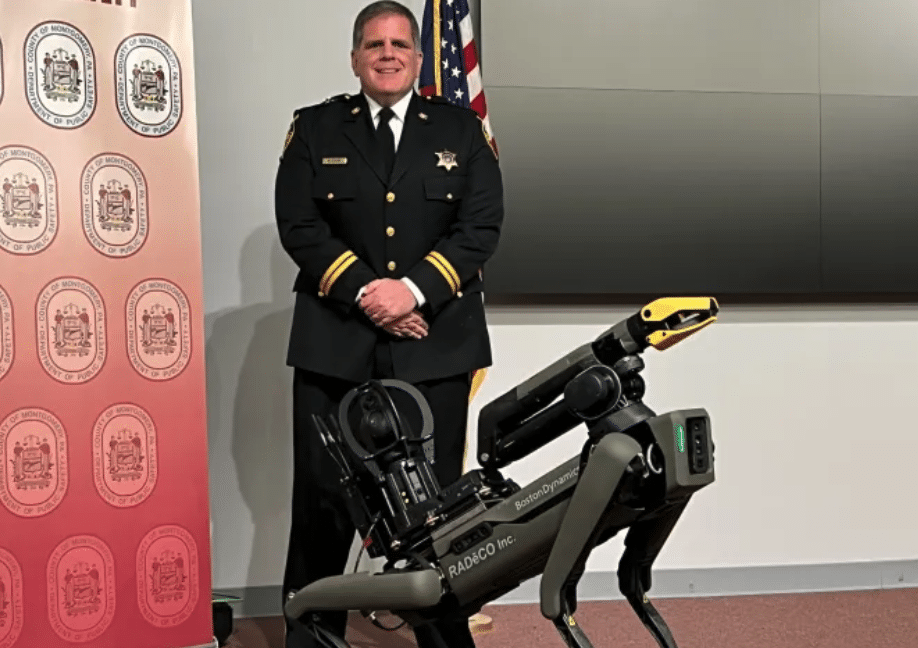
{"points": [[450, 68]]}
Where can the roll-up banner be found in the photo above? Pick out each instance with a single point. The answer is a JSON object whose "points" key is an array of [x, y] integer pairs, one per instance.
{"points": [[104, 532]]}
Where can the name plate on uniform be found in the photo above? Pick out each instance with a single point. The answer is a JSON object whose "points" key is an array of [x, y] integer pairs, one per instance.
{"points": [[334, 160]]}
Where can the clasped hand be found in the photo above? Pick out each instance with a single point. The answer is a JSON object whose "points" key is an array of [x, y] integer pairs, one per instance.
{"points": [[391, 305]]}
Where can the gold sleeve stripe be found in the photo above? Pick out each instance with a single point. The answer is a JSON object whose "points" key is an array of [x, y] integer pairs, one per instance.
{"points": [[340, 271], [335, 269], [344, 266], [448, 266], [447, 275]]}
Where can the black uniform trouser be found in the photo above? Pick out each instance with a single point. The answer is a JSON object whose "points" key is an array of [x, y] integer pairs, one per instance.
{"points": [[321, 531]]}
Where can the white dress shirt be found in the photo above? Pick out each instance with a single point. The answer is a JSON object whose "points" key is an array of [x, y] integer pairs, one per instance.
{"points": [[397, 122]]}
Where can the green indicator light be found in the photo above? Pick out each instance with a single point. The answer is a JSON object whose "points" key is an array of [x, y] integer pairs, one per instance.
{"points": [[680, 438]]}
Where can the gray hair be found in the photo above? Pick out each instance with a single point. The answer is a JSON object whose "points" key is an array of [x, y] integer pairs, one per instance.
{"points": [[382, 8]]}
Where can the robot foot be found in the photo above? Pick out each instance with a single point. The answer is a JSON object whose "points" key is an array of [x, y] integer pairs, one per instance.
{"points": [[573, 635], [631, 581]]}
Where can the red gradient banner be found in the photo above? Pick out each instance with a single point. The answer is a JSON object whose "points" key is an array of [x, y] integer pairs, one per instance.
{"points": [[104, 521]]}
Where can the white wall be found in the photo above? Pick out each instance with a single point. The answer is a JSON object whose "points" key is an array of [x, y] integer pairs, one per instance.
{"points": [[810, 405]]}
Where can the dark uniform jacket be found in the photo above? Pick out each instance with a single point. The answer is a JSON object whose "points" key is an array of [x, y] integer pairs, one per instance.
{"points": [[435, 220]]}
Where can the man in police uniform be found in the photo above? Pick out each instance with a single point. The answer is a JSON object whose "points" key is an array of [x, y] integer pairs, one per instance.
{"points": [[390, 204]]}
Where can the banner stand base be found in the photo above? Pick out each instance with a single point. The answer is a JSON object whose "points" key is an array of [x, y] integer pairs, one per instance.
{"points": [[212, 644], [223, 616]]}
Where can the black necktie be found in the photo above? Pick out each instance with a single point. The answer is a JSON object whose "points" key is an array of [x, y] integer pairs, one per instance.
{"points": [[386, 139]]}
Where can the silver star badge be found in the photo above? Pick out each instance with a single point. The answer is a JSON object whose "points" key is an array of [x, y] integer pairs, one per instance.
{"points": [[447, 160]]}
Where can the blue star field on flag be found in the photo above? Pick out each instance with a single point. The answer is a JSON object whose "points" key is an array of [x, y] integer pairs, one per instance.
{"points": [[452, 68]]}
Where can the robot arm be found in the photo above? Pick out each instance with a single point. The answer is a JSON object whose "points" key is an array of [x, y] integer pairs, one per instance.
{"points": [[524, 419], [527, 417]]}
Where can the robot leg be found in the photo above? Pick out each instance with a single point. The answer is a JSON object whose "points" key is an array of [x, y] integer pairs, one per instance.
{"points": [[643, 543], [397, 590], [611, 458]]}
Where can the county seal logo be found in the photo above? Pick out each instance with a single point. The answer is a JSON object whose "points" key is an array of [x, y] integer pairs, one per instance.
{"points": [[114, 205], [71, 330], [28, 201], [11, 607], [158, 329], [124, 455], [60, 75], [81, 588], [167, 574], [148, 84], [34, 470]]}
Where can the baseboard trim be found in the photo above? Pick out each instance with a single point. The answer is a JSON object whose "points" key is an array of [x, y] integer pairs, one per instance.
{"points": [[676, 583]]}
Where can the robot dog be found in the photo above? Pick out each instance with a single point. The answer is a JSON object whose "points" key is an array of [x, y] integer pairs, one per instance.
{"points": [[451, 550]]}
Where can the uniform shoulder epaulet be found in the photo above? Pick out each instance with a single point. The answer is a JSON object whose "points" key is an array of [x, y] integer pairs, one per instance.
{"points": [[437, 99], [443, 101], [331, 101], [305, 112], [337, 99]]}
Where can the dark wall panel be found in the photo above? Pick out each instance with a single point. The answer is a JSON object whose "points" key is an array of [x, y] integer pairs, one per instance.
{"points": [[730, 146], [870, 193], [631, 191], [705, 45]]}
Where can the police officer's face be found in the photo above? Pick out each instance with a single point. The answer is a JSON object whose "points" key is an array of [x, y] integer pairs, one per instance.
{"points": [[386, 60]]}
